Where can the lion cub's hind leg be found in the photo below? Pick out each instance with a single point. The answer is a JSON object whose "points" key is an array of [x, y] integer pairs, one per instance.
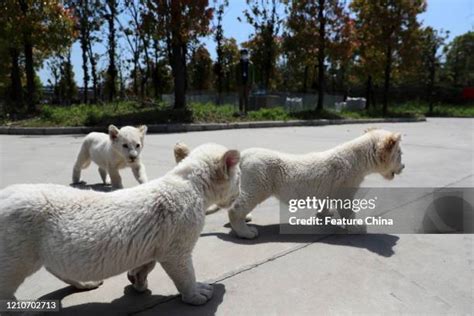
{"points": [[138, 276], [103, 175], [82, 162]]}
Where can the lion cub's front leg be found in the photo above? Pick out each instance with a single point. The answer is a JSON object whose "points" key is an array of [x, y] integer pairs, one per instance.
{"points": [[181, 271], [115, 178], [139, 173]]}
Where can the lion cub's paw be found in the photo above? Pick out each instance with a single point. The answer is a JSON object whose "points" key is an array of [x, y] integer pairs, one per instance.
{"points": [[201, 295], [137, 285], [248, 217], [250, 233], [90, 285]]}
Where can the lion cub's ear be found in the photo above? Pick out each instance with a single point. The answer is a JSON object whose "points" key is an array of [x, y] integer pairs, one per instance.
{"points": [[367, 130], [181, 151], [230, 160], [143, 129], [388, 145], [113, 132]]}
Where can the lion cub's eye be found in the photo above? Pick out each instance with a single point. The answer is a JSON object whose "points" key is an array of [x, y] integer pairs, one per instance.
{"points": [[125, 146], [138, 146]]}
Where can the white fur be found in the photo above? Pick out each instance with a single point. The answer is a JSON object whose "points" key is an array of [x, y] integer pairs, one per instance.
{"points": [[83, 237], [117, 150], [268, 173]]}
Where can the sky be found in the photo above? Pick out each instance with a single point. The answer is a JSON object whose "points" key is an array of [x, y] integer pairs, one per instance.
{"points": [[455, 16]]}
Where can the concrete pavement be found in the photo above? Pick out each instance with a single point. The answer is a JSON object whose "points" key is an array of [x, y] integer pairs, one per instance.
{"points": [[283, 274]]}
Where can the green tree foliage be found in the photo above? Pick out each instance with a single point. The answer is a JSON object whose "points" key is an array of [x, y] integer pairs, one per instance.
{"points": [[341, 47], [389, 30], [230, 56], [179, 23], [162, 78], [67, 88], [31, 31], [200, 69], [218, 30], [264, 46], [135, 36], [87, 23], [110, 12], [317, 33], [431, 42], [459, 67], [331, 46]]}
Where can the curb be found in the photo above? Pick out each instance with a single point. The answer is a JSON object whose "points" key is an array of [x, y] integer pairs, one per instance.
{"points": [[183, 128]]}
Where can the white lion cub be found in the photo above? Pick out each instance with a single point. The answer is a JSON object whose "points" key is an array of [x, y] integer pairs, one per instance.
{"points": [[118, 150], [285, 176], [83, 237]]}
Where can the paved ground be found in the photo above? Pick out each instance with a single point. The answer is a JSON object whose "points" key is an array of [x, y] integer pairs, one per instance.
{"points": [[283, 274]]}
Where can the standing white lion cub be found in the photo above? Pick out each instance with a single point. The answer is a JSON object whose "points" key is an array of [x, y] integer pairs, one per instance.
{"points": [[268, 173], [117, 150], [83, 237]]}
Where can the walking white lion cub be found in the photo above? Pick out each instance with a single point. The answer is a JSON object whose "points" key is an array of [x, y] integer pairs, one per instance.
{"points": [[117, 150], [268, 173], [83, 237]]}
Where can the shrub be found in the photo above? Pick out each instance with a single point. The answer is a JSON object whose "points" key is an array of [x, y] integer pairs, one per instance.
{"points": [[272, 114]]}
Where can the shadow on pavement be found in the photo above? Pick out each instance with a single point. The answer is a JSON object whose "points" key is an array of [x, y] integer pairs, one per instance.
{"points": [[133, 303], [381, 244], [176, 307]]}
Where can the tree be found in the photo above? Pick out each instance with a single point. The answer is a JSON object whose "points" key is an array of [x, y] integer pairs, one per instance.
{"points": [[180, 23], [36, 29], [54, 65], [431, 43], [342, 46], [230, 56], [10, 50], [88, 22], [219, 8], [395, 39], [132, 31], [162, 79], [93, 58], [84, 30], [67, 87], [263, 16], [110, 14], [321, 53], [460, 60], [143, 38], [299, 44], [200, 68], [318, 27]]}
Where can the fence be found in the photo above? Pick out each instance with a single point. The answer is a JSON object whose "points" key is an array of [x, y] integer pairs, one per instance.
{"points": [[292, 102]]}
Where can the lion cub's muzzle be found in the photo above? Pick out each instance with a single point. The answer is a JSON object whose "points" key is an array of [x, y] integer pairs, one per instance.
{"points": [[401, 169]]}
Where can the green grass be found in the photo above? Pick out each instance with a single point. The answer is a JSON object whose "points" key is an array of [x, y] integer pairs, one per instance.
{"points": [[415, 109], [439, 109], [205, 112], [133, 113]]}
